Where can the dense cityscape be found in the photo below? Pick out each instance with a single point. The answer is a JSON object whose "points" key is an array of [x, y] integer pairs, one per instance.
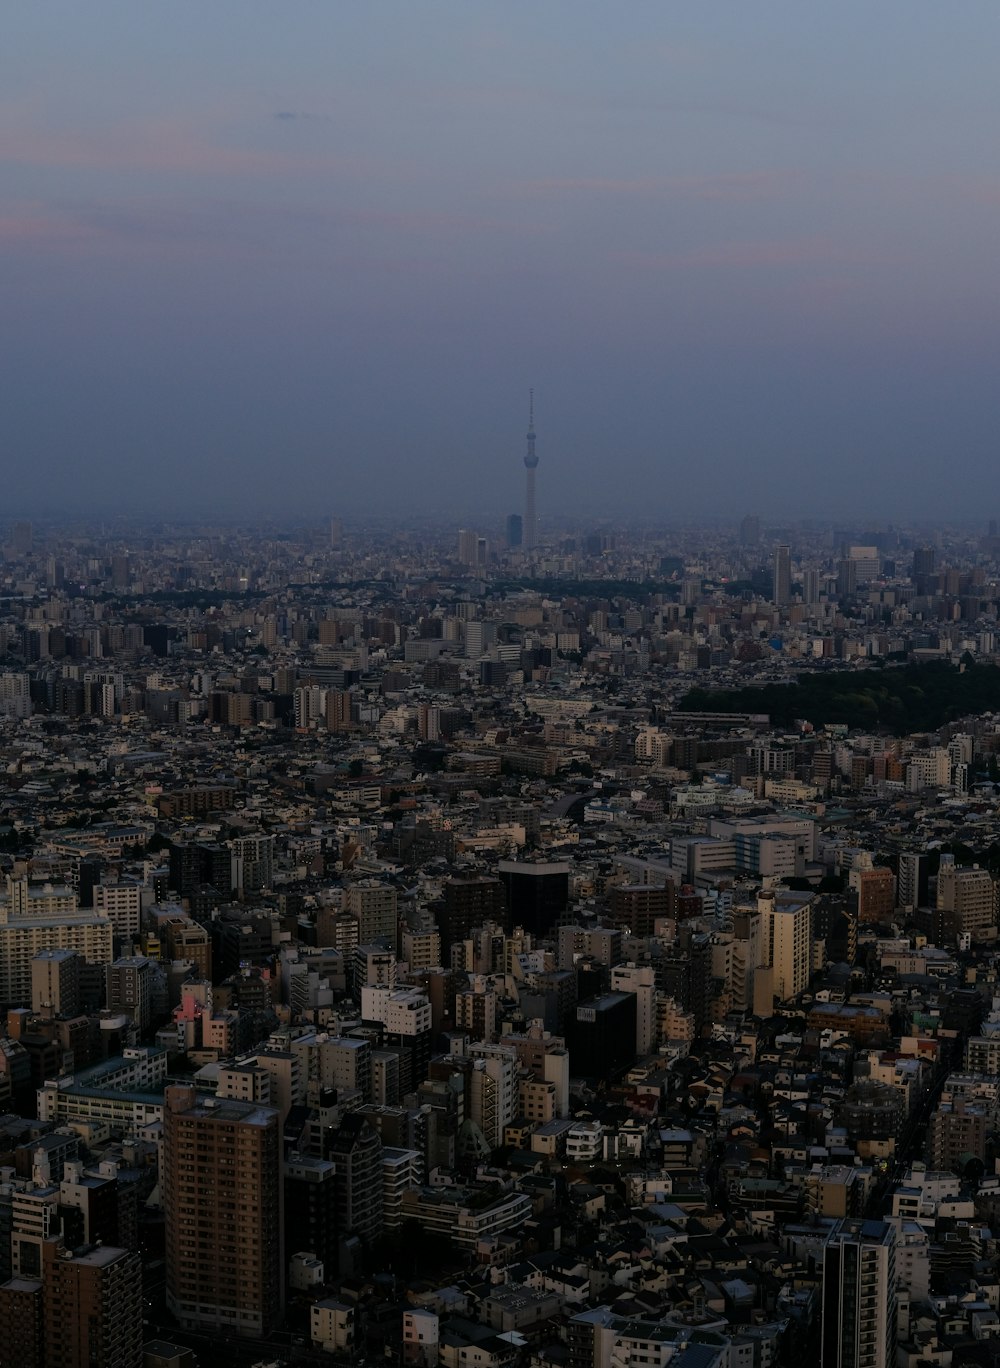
{"points": [[526, 945]]}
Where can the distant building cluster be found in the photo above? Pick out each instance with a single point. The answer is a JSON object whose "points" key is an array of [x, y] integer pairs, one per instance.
{"points": [[396, 962]]}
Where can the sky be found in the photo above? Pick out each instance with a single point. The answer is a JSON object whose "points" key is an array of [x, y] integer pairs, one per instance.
{"points": [[308, 258]]}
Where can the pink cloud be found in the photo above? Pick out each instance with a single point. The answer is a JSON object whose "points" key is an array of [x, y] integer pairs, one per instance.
{"points": [[743, 255], [725, 186], [163, 147], [33, 225]]}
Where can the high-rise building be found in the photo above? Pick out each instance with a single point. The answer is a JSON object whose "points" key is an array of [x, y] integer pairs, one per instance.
{"points": [[23, 539], [338, 709], [22, 1332], [311, 1208], [515, 529], [787, 930], [639, 979], [602, 1036], [253, 863], [468, 547], [491, 1092], [537, 894], [966, 899], [956, 1134], [750, 530], [469, 902], [636, 907], [782, 593], [859, 1296], [876, 896], [374, 906], [530, 529], [356, 1152], [55, 982], [129, 985], [222, 1198], [912, 879], [92, 1300], [924, 564]]}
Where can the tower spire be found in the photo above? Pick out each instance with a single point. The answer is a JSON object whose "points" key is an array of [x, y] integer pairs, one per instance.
{"points": [[530, 463]]}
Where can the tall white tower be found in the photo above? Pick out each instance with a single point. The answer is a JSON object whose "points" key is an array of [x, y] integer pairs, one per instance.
{"points": [[530, 536]]}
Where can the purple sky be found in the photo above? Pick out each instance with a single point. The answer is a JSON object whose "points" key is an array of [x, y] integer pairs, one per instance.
{"points": [[308, 258]]}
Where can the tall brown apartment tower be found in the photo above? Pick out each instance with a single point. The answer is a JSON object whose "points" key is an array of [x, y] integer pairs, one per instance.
{"points": [[876, 896], [92, 1307], [222, 1199]]}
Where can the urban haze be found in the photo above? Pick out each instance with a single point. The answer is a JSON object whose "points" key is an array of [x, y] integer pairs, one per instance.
{"points": [[499, 686], [744, 253]]}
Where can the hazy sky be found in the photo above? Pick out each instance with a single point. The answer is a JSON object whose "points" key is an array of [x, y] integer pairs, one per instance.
{"points": [[309, 256]]}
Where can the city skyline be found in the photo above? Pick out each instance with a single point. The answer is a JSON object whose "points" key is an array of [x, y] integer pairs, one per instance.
{"points": [[737, 258]]}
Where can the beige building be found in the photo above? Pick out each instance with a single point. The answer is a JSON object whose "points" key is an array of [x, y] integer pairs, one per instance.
{"points": [[787, 929], [21, 938], [966, 898]]}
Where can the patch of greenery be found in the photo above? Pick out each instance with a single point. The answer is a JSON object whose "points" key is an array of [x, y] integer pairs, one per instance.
{"points": [[897, 699]]}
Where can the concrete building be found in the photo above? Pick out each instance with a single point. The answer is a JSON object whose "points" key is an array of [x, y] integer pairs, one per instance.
{"points": [[222, 1197], [88, 933], [859, 1296], [373, 905], [92, 1300], [639, 979], [55, 982], [966, 900], [787, 931]]}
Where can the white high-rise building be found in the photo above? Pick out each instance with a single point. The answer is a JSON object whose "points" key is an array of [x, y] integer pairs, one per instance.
{"points": [[859, 1296]]}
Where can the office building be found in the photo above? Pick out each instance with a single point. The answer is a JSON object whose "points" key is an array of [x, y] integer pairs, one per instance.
{"points": [[536, 895], [469, 902], [222, 1198], [602, 1036], [514, 530], [782, 586]]}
